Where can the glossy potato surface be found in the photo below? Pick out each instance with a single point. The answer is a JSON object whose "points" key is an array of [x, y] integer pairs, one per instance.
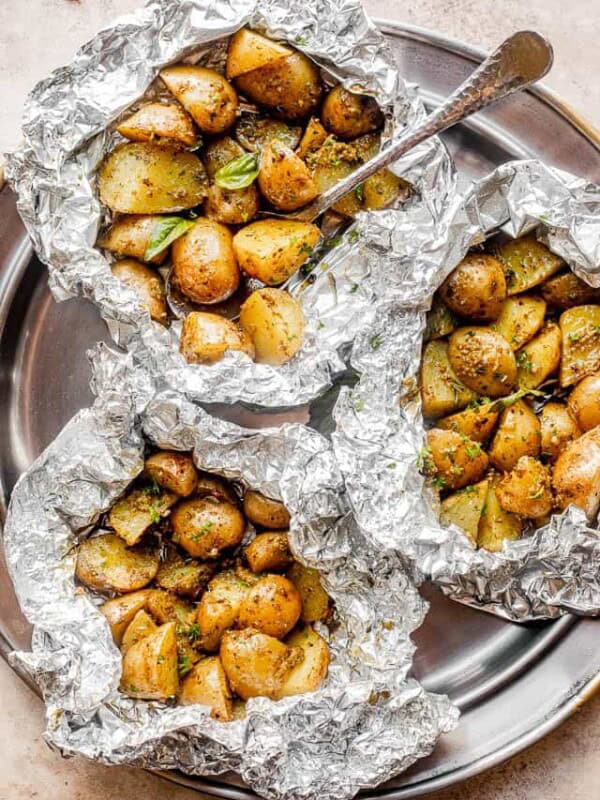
{"points": [[584, 402], [120, 611], [205, 338], [150, 666], [526, 489], [316, 604], [147, 284], [272, 606], [134, 513], [349, 114], [159, 121], [558, 427], [275, 324], [576, 477], [483, 361], [204, 527], [106, 564], [130, 235], [264, 511], [209, 98], [476, 288], [308, 675], [269, 552], [284, 179], [580, 356], [173, 471], [442, 392], [454, 460], [207, 685], [518, 435], [464, 508], [272, 249]]}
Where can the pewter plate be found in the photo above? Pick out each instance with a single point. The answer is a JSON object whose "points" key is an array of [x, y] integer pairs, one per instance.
{"points": [[513, 683]]}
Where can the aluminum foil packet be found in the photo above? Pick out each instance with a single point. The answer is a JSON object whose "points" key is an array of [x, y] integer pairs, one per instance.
{"points": [[67, 133], [379, 426], [368, 721]]}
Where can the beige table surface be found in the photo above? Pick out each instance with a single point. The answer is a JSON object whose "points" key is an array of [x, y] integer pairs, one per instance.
{"points": [[38, 35]]}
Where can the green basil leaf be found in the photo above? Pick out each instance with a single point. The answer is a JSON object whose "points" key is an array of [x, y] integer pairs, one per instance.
{"points": [[239, 173], [166, 231]]}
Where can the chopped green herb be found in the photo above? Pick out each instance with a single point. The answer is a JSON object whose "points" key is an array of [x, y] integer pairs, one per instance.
{"points": [[360, 193], [152, 488], [376, 341], [184, 664], [473, 450], [321, 325], [206, 528], [359, 405], [354, 288], [439, 482], [160, 659], [193, 632], [353, 236]]}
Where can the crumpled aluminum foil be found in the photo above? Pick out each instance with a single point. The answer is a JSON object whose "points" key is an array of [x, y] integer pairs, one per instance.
{"points": [[66, 137], [379, 427], [368, 721]]}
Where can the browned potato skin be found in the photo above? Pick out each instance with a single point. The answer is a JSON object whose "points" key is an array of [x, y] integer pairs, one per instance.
{"points": [[120, 611], [150, 666], [207, 96], [558, 428], [257, 665], [142, 625], [576, 477], [316, 604], [584, 402], [349, 115], [312, 670], [476, 288], [173, 471], [567, 290], [458, 461], [580, 356], [475, 423], [207, 685], [130, 236], [204, 264], [290, 87], [185, 578], [219, 606], [204, 527], [518, 435], [104, 563], [210, 485], [274, 321], [232, 206], [272, 249], [526, 490], [147, 284], [261, 510], [166, 121], [284, 179], [483, 361], [272, 606], [205, 338], [249, 50], [167, 607], [269, 552]]}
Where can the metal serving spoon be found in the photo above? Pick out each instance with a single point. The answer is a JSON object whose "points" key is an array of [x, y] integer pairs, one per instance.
{"points": [[521, 60]]}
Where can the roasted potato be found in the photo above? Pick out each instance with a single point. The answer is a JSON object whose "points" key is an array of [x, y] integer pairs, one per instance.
{"points": [[105, 564], [272, 606], [483, 361], [141, 625], [146, 283], [383, 189], [496, 525], [558, 428], [120, 611], [204, 526], [172, 471], [207, 685], [580, 328], [567, 290], [274, 249], [521, 317], [219, 607], [527, 263], [284, 179], [316, 604], [210, 485], [584, 402], [182, 576], [257, 665], [440, 320], [274, 321], [206, 95], [263, 511], [349, 114], [313, 137], [442, 392], [205, 338], [454, 460], [138, 510], [576, 477], [204, 264], [308, 675], [526, 489], [220, 152], [149, 178], [289, 87], [150, 666], [249, 50], [269, 552], [476, 288], [232, 206], [254, 132], [463, 509], [167, 607], [475, 423], [539, 358], [162, 121], [518, 435], [131, 236]]}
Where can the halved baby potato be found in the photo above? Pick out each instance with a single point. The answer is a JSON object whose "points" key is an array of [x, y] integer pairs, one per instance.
{"points": [[463, 509], [576, 477], [476, 423], [483, 361], [454, 460], [165, 606], [527, 263], [518, 435], [254, 132], [526, 489], [308, 675], [580, 328], [172, 471], [207, 685], [219, 606], [558, 427], [274, 321], [105, 564], [584, 402], [567, 290], [205, 338], [540, 357], [131, 235], [272, 606], [142, 625], [134, 513], [284, 179], [274, 249], [150, 666], [442, 392], [496, 525], [207, 96], [232, 206], [264, 511], [146, 283], [159, 121], [476, 288], [204, 526], [269, 552], [350, 114], [182, 576], [520, 318], [250, 50], [316, 604], [120, 611]]}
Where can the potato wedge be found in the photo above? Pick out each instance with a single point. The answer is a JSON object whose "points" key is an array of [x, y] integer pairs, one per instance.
{"points": [[219, 607], [526, 490], [310, 673], [207, 96], [476, 423], [527, 263], [138, 510], [207, 685], [558, 428], [584, 402], [232, 206], [284, 179], [567, 290], [269, 552], [182, 576], [162, 121], [290, 87], [105, 564], [257, 665], [313, 137], [205, 338], [316, 604], [580, 328], [272, 606], [463, 509], [476, 288], [141, 625], [349, 114], [131, 235], [520, 318], [518, 435], [204, 526], [440, 320], [454, 460], [172, 471], [483, 361], [497, 525], [120, 611], [149, 178], [274, 321], [263, 511], [147, 284], [274, 249], [249, 50], [576, 477], [540, 358], [254, 132], [442, 392], [150, 666]]}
